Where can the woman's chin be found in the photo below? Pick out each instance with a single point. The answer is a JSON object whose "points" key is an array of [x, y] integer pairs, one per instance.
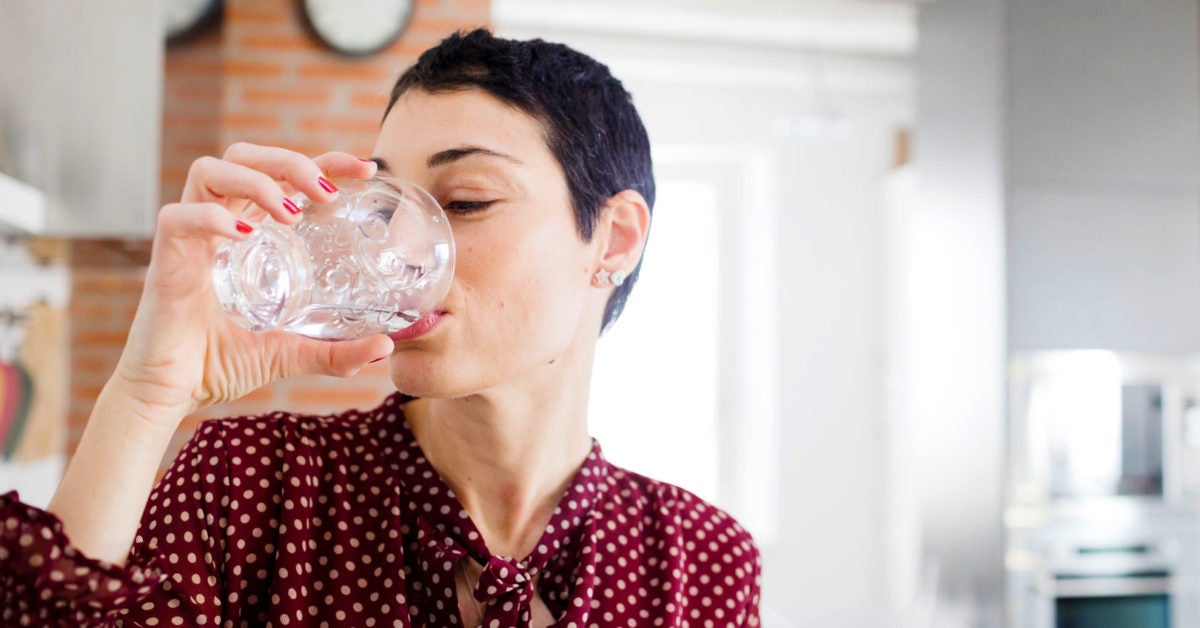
{"points": [[429, 382]]}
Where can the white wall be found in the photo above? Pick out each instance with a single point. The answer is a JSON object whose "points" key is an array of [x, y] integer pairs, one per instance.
{"points": [[824, 565], [828, 568], [949, 313], [1104, 188]]}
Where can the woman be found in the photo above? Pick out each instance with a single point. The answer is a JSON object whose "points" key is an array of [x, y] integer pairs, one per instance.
{"points": [[473, 496]]}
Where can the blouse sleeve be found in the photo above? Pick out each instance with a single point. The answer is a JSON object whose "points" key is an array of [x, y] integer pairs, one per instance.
{"points": [[170, 578], [753, 589]]}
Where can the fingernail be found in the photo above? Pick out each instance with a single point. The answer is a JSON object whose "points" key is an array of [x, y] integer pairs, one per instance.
{"points": [[291, 206], [375, 360], [326, 185], [370, 161], [243, 227]]}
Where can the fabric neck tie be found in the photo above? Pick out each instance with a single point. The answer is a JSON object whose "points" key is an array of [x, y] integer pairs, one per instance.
{"points": [[506, 591], [506, 588]]}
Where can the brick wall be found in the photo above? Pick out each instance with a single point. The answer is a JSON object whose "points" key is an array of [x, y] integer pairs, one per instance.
{"points": [[259, 77]]}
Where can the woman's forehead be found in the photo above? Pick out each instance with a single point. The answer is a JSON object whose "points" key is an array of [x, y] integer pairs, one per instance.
{"points": [[421, 127]]}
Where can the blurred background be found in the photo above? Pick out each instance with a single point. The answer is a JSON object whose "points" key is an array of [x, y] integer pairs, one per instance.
{"points": [[920, 306]]}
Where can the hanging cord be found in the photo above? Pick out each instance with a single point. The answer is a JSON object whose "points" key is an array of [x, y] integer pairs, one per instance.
{"points": [[13, 324], [18, 383]]}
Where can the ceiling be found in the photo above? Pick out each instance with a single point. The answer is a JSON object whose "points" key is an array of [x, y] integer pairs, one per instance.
{"points": [[870, 27]]}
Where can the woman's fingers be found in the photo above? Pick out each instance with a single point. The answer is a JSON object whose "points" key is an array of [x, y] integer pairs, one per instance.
{"points": [[340, 165], [212, 180], [200, 220], [266, 175], [300, 172], [305, 356], [184, 246]]}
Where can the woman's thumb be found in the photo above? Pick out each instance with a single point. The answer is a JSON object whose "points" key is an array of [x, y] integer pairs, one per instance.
{"points": [[339, 359]]}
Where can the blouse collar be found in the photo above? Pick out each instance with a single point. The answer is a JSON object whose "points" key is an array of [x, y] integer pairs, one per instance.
{"points": [[446, 534]]}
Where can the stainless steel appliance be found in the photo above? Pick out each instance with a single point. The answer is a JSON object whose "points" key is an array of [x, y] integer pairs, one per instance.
{"points": [[1102, 510]]}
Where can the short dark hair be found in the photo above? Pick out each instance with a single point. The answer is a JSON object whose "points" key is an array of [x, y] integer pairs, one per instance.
{"points": [[591, 125]]}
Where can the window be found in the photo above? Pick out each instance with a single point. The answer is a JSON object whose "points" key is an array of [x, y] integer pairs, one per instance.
{"points": [[655, 381]]}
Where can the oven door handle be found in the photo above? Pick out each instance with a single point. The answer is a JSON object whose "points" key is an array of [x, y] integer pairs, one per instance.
{"points": [[1110, 586]]}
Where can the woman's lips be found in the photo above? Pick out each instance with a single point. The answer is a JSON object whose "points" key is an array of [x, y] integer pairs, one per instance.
{"points": [[419, 327]]}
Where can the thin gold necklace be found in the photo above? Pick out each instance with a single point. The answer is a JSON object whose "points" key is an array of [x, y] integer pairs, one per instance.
{"points": [[462, 567]]}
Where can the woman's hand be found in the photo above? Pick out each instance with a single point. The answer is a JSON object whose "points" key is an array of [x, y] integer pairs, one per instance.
{"points": [[184, 352]]}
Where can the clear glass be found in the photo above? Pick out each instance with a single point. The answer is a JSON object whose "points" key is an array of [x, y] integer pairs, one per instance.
{"points": [[374, 261]]}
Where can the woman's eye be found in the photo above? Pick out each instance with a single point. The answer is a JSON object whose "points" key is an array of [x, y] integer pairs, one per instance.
{"points": [[466, 207]]}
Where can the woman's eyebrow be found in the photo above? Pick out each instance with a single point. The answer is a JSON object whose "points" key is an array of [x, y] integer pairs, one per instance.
{"points": [[449, 156], [454, 154]]}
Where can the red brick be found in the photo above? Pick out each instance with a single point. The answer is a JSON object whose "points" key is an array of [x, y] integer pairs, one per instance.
{"points": [[189, 150], [312, 96], [175, 173], [106, 338], [481, 10], [296, 41], [336, 397], [175, 66], [207, 94], [443, 26], [405, 52], [368, 124], [94, 365], [85, 283], [249, 121], [232, 67], [203, 120], [90, 309], [259, 13], [374, 101], [345, 70], [86, 391]]}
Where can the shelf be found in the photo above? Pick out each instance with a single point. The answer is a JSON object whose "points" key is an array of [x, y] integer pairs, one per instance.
{"points": [[22, 207]]}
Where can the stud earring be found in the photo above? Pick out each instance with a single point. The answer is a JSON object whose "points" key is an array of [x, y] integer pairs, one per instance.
{"points": [[603, 277]]}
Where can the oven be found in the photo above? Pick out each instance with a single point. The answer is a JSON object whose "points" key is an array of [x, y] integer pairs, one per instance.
{"points": [[1114, 587], [1102, 512], [1105, 585]]}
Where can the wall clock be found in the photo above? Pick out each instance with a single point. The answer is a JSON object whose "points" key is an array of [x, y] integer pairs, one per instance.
{"points": [[185, 18], [359, 27]]}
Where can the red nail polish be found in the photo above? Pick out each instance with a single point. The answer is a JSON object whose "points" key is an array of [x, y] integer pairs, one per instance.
{"points": [[243, 227], [290, 206], [326, 185]]}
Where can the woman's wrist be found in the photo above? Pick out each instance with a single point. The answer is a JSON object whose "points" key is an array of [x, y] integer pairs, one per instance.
{"points": [[134, 399], [108, 480]]}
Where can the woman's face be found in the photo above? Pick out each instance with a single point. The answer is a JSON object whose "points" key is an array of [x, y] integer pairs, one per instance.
{"points": [[521, 299]]}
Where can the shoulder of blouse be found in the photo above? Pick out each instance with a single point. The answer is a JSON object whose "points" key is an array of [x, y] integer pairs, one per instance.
{"points": [[666, 503], [700, 532], [275, 424]]}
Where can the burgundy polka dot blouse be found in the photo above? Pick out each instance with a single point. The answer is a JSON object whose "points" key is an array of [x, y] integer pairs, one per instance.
{"points": [[341, 521]]}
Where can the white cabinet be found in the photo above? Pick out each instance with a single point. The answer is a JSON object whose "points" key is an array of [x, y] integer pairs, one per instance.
{"points": [[80, 111], [1104, 90], [1103, 181], [1104, 266], [22, 207]]}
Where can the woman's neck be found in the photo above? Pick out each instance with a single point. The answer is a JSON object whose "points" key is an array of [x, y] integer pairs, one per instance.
{"points": [[509, 453]]}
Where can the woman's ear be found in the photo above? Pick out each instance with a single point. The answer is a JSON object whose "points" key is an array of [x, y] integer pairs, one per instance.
{"points": [[626, 220]]}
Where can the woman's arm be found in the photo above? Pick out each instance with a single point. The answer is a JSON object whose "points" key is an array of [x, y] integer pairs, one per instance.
{"points": [[79, 561], [105, 488], [174, 571], [183, 353]]}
